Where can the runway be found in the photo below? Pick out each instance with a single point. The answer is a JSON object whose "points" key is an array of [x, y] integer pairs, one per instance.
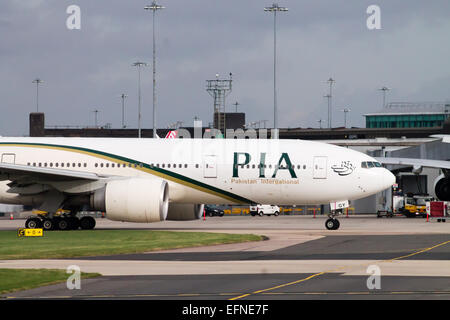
{"points": [[300, 260]]}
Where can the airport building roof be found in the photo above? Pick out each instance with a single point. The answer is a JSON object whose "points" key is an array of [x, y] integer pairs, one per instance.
{"points": [[402, 108]]}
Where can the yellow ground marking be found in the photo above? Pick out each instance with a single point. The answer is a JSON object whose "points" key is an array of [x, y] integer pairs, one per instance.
{"points": [[334, 271]]}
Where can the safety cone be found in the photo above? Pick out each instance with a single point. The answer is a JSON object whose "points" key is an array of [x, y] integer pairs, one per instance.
{"points": [[11, 216]]}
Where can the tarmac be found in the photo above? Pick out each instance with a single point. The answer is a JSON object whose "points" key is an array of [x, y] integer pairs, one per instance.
{"points": [[403, 258]]}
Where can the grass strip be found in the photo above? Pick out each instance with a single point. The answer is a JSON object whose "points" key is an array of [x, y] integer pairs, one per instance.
{"points": [[82, 243], [24, 279]]}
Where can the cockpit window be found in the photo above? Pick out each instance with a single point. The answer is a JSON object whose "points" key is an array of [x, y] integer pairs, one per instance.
{"points": [[370, 164]]}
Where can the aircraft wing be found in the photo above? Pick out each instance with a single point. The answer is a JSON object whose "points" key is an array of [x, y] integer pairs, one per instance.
{"points": [[427, 163], [16, 172]]}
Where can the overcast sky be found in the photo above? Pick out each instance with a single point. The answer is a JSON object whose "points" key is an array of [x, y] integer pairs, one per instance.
{"points": [[88, 69]]}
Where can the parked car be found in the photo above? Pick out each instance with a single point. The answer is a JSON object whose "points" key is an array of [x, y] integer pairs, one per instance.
{"points": [[264, 209], [212, 211]]}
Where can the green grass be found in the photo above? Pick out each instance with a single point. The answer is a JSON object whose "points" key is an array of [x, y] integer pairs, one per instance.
{"points": [[24, 279], [82, 243]]}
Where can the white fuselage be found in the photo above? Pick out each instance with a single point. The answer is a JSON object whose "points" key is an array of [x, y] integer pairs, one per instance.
{"points": [[211, 171]]}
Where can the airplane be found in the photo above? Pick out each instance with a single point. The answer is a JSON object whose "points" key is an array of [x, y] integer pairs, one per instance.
{"points": [[151, 180]]}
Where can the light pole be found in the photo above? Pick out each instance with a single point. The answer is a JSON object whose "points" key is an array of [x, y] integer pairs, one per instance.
{"points": [[154, 7], [275, 8], [96, 117], [236, 105], [38, 82], [330, 81], [123, 96], [139, 64], [345, 111], [320, 123], [384, 89]]}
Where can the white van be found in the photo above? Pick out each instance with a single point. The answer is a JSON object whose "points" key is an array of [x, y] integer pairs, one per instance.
{"points": [[264, 209]]}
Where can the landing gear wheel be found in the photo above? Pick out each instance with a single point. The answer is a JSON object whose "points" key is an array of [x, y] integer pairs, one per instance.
{"points": [[63, 224], [332, 224], [33, 223], [48, 224], [74, 223], [87, 223]]}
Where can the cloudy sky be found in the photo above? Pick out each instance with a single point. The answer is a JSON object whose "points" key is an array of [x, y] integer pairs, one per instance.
{"points": [[87, 69]]}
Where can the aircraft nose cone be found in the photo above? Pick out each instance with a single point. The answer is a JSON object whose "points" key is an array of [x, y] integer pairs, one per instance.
{"points": [[388, 179]]}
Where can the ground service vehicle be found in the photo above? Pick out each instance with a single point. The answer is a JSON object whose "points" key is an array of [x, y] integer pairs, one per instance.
{"points": [[265, 209], [211, 211], [415, 205]]}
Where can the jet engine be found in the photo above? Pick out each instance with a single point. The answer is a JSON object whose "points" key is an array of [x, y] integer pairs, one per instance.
{"points": [[442, 187], [133, 200], [184, 211]]}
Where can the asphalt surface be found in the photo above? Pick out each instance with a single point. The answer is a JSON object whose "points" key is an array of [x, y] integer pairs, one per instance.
{"points": [[413, 257]]}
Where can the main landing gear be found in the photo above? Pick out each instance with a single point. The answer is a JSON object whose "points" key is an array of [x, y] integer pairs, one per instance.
{"points": [[60, 223], [332, 223]]}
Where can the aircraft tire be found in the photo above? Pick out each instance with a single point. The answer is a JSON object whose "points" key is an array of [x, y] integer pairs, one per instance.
{"points": [[332, 224], [63, 224], [33, 223], [87, 223], [74, 223], [48, 224]]}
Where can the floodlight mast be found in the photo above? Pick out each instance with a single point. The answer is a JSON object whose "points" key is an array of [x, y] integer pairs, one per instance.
{"points": [[384, 89], [38, 82], [275, 8], [345, 111], [330, 81], [139, 64], [123, 96], [154, 7]]}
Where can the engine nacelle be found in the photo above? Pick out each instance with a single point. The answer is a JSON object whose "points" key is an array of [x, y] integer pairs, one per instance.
{"points": [[442, 188], [133, 200], [184, 212]]}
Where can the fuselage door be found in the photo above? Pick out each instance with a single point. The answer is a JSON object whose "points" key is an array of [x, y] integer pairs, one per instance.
{"points": [[8, 158], [210, 166], [320, 168]]}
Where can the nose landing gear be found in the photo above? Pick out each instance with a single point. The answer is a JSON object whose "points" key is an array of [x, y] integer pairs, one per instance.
{"points": [[332, 223]]}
